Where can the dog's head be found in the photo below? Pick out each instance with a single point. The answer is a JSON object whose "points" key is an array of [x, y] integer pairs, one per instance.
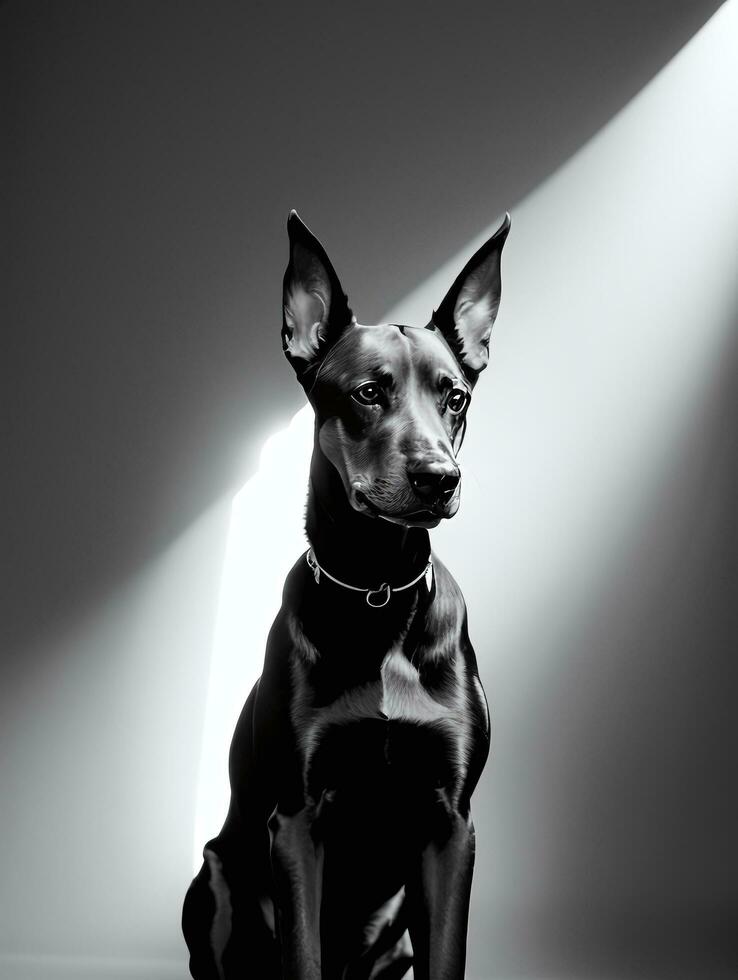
{"points": [[390, 400]]}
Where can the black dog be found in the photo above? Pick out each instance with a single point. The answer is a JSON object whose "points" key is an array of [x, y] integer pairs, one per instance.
{"points": [[348, 848]]}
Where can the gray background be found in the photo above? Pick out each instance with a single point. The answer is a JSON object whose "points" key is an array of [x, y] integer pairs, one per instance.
{"points": [[151, 155]]}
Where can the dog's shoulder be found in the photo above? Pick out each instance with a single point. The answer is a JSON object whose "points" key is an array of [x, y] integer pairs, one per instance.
{"points": [[445, 582], [445, 656], [444, 635], [448, 606]]}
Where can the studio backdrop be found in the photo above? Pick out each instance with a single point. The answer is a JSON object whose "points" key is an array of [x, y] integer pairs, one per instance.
{"points": [[158, 451]]}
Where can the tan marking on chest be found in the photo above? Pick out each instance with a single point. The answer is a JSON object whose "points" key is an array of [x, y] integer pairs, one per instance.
{"points": [[403, 696]]}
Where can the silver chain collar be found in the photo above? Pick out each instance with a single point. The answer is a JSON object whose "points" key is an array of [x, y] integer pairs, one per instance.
{"points": [[376, 598]]}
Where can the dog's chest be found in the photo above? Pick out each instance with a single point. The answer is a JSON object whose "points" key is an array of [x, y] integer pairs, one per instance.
{"points": [[385, 727]]}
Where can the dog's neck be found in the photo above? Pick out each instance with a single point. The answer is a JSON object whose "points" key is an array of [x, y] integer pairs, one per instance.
{"points": [[361, 550]]}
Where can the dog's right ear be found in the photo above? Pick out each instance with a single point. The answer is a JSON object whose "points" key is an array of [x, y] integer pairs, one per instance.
{"points": [[315, 308]]}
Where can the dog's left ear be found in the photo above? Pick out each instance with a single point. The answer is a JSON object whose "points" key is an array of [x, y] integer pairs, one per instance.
{"points": [[315, 308], [468, 311]]}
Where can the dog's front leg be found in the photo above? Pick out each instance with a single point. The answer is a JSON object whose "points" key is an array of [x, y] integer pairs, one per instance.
{"points": [[438, 901], [297, 866]]}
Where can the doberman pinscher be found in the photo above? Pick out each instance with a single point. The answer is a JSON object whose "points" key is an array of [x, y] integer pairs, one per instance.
{"points": [[348, 848]]}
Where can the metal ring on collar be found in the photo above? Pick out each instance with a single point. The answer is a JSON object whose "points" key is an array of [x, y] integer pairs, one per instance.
{"points": [[384, 591]]}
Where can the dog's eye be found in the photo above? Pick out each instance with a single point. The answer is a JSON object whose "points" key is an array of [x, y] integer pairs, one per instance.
{"points": [[369, 393], [457, 401]]}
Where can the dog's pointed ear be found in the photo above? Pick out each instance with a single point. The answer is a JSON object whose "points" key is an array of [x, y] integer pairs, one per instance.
{"points": [[468, 311], [315, 308]]}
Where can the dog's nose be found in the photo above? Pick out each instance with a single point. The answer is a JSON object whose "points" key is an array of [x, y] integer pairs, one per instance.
{"points": [[434, 486]]}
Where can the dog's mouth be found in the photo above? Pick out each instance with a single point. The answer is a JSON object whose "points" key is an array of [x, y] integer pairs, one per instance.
{"points": [[426, 517]]}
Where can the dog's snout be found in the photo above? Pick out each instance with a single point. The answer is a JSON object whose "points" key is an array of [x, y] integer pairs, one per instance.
{"points": [[435, 486]]}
